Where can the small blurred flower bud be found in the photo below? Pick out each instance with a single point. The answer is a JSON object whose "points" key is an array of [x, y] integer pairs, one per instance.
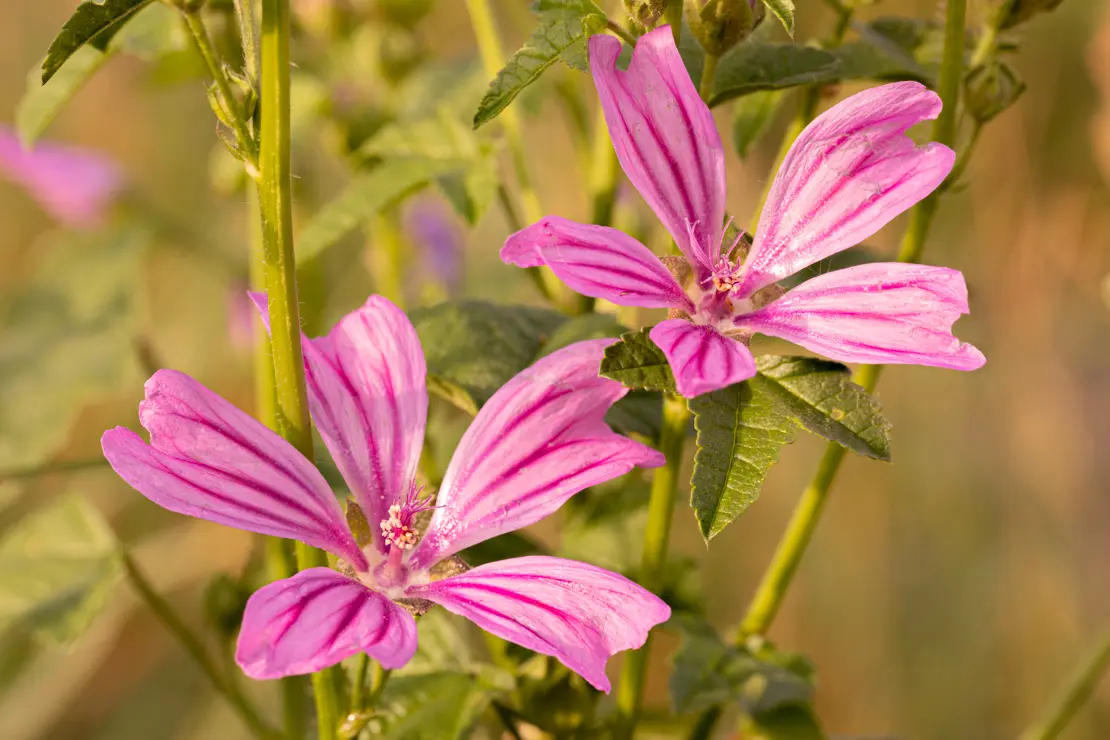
{"points": [[646, 13], [720, 25], [1010, 13], [991, 89], [405, 13], [225, 598]]}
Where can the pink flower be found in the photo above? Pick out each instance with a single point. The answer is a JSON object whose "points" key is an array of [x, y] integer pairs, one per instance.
{"points": [[537, 442], [75, 186], [849, 173]]}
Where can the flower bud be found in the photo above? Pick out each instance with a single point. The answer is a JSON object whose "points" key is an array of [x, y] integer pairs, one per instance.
{"points": [[991, 89], [1012, 13], [225, 598], [720, 25], [645, 13]]}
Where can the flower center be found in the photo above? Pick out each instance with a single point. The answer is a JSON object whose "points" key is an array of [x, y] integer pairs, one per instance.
{"points": [[397, 529]]}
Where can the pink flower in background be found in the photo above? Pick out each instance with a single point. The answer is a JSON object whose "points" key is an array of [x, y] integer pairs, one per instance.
{"points": [[75, 186], [539, 440], [441, 246], [848, 174]]}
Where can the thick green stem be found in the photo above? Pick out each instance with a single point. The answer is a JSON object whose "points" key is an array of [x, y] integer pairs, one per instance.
{"points": [[279, 270], [708, 77], [672, 16], [230, 103], [664, 490], [244, 16], [220, 680], [1074, 695]]}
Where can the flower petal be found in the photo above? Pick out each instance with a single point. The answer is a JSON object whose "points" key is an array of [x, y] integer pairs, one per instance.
{"points": [[702, 359], [578, 613], [877, 313], [597, 261], [367, 395], [541, 439], [316, 619], [73, 185], [210, 460], [848, 174], [666, 139]]}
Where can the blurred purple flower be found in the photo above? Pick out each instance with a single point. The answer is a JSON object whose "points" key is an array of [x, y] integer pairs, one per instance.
{"points": [[73, 185], [848, 174], [241, 317], [539, 440], [441, 246]]}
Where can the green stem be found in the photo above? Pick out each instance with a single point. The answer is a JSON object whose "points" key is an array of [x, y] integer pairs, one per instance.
{"points": [[506, 716], [708, 76], [238, 121], [672, 16], [279, 270], [620, 31], [387, 254], [1074, 695], [220, 680], [664, 490], [706, 723], [244, 15]]}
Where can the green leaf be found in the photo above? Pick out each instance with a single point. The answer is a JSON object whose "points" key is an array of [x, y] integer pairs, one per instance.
{"points": [[580, 329], [502, 547], [366, 195], [821, 397], [754, 66], [56, 569], [473, 348], [1017, 12], [784, 11], [638, 363], [760, 679], [152, 33], [66, 338], [640, 413], [92, 23], [991, 89], [795, 722], [433, 706], [564, 27], [740, 433], [752, 116]]}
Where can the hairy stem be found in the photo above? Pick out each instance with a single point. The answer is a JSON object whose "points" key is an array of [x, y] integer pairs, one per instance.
{"points": [[664, 490], [1079, 688], [220, 680]]}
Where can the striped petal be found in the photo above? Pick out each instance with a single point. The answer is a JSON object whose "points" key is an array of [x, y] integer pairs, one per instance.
{"points": [[538, 441], [316, 619], [848, 174], [666, 139], [597, 261], [578, 613], [702, 359], [210, 460], [878, 313], [367, 395]]}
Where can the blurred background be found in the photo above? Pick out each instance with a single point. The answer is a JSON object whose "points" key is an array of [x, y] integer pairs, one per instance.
{"points": [[946, 595]]}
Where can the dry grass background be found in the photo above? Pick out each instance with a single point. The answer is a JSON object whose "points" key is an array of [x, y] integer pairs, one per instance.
{"points": [[945, 595]]}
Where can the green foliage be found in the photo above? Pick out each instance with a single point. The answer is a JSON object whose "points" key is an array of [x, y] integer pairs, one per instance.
{"points": [[991, 89], [752, 116], [502, 547], [563, 30], [740, 433], [742, 428], [66, 339], [820, 396], [582, 328], [1013, 13], [92, 23], [784, 11], [793, 722], [756, 66], [153, 32], [473, 348], [761, 680], [56, 569], [638, 363], [441, 705]]}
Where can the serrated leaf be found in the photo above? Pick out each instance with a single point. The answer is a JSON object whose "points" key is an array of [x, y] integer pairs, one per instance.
{"points": [[582, 328], [752, 116], [784, 11], [152, 32], [56, 568], [739, 435], [636, 362], [472, 348], [821, 397], [92, 23], [564, 27], [367, 194], [761, 680], [66, 338], [754, 66]]}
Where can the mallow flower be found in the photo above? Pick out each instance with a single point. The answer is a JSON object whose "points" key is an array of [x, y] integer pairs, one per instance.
{"points": [[848, 174], [75, 186], [539, 440]]}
